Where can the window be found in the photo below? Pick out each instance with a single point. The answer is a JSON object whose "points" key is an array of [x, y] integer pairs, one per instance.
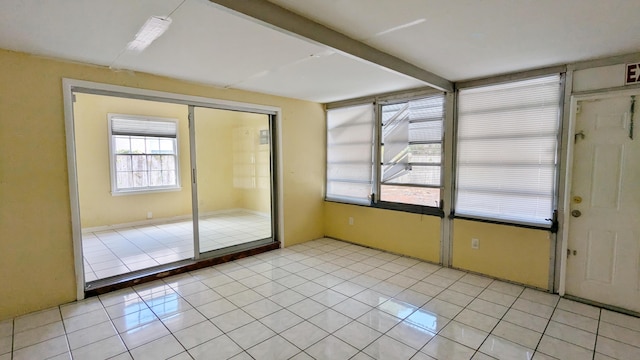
{"points": [[411, 153], [350, 154], [507, 151], [409, 156], [144, 154]]}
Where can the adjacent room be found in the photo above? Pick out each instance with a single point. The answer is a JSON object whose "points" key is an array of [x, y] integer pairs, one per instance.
{"points": [[134, 172], [343, 179]]}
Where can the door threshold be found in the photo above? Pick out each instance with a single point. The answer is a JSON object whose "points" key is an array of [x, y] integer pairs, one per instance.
{"points": [[603, 306], [103, 286]]}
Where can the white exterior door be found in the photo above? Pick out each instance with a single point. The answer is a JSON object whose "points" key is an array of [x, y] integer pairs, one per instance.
{"points": [[603, 263]]}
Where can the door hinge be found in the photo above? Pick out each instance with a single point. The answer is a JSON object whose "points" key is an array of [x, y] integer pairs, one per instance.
{"points": [[569, 252]]}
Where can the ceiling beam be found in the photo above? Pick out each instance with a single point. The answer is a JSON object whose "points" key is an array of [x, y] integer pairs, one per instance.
{"points": [[282, 19]]}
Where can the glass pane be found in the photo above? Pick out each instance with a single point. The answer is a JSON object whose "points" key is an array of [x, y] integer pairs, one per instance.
{"points": [[167, 146], [425, 153], [410, 195], [350, 133], [137, 178], [123, 163], [153, 145], [168, 162], [140, 179], [168, 178], [155, 162], [138, 145], [124, 180], [122, 145], [507, 150], [139, 162], [418, 175], [155, 178], [234, 178], [425, 131]]}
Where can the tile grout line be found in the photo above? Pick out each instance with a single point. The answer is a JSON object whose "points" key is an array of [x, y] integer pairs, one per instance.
{"points": [[328, 307], [595, 343], [420, 307], [499, 320], [547, 325], [294, 258], [64, 328], [310, 298], [114, 327], [238, 308], [163, 324], [571, 326], [13, 336], [431, 298], [121, 234]]}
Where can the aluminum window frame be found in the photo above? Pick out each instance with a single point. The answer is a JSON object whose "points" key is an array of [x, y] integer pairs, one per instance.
{"points": [[389, 99], [561, 71]]}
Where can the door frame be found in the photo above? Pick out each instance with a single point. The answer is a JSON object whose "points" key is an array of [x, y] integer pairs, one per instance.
{"points": [[568, 181], [69, 86]]}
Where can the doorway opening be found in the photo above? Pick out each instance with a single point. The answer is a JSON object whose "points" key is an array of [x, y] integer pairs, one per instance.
{"points": [[160, 182]]}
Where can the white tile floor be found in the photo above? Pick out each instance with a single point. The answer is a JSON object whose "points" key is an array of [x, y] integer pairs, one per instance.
{"points": [[115, 252], [324, 299]]}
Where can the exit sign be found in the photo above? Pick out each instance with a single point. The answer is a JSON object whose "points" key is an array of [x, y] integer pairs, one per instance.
{"points": [[632, 74]]}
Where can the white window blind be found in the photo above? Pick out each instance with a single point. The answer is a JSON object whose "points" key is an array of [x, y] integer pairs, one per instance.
{"points": [[142, 127], [506, 151], [350, 153]]}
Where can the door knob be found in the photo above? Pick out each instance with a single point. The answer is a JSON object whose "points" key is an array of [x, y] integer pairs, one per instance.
{"points": [[576, 213]]}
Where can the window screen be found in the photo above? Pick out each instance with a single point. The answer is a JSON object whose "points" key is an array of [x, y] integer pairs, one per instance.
{"points": [[506, 151], [412, 151], [350, 154]]}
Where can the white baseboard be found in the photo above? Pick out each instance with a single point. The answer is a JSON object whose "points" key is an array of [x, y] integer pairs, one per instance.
{"points": [[263, 214], [165, 220]]}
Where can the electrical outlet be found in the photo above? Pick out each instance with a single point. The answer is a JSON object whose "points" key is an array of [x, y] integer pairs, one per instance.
{"points": [[149, 215], [475, 243], [350, 220]]}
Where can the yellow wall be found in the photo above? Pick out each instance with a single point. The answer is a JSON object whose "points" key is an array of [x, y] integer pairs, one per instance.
{"points": [[36, 250], [506, 252], [215, 162], [399, 232], [252, 163], [97, 206]]}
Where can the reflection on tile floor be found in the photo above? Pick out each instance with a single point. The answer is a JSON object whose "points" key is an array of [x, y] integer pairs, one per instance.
{"points": [[119, 251], [324, 299]]}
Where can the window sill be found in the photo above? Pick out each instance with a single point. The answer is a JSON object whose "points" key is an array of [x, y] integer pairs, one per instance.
{"points": [[144, 191], [506, 223], [408, 208]]}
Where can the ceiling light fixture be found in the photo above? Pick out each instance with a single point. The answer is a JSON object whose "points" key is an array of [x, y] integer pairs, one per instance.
{"points": [[152, 29]]}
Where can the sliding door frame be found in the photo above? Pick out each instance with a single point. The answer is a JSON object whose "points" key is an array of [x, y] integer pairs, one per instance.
{"points": [[195, 211], [71, 86]]}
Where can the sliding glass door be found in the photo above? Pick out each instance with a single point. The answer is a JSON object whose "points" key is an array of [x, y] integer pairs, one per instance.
{"points": [[160, 183], [132, 165], [231, 165]]}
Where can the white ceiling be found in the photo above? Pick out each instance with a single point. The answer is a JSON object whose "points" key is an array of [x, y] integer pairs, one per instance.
{"points": [[466, 39], [458, 40]]}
